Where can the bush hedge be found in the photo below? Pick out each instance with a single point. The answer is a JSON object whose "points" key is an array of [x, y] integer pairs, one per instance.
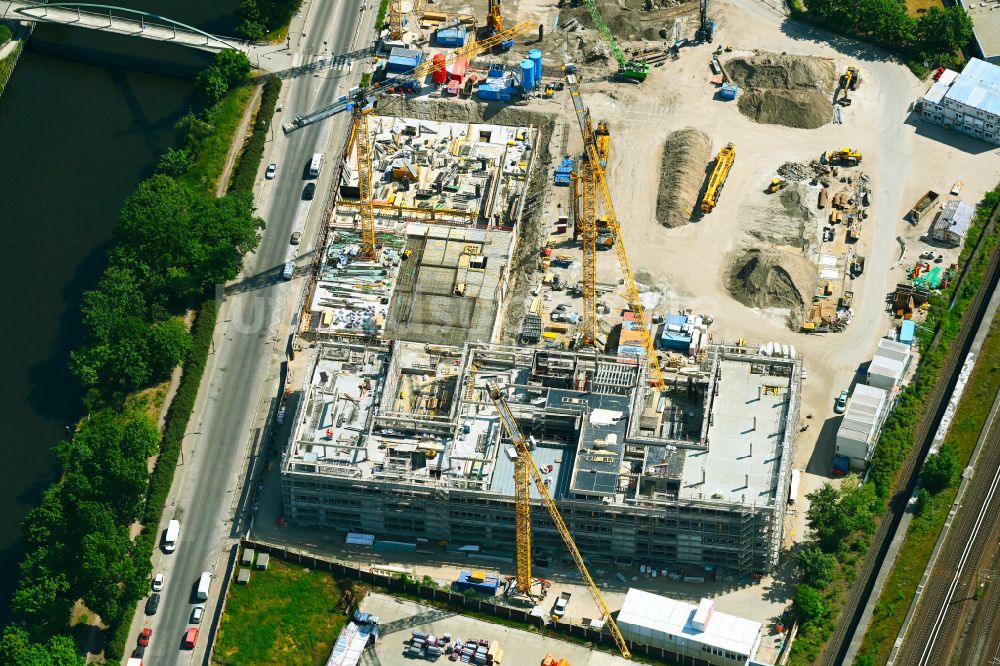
{"points": [[245, 171]]}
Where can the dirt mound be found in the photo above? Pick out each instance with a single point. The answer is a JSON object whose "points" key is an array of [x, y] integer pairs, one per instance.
{"points": [[682, 171], [795, 91], [762, 279], [786, 221]]}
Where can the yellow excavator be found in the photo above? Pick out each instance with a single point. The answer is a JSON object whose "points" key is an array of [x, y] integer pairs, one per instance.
{"points": [[845, 156], [723, 163], [776, 184]]}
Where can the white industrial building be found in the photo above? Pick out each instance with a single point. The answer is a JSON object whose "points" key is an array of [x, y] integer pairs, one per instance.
{"points": [[953, 223], [698, 631], [968, 102], [858, 432], [889, 366]]}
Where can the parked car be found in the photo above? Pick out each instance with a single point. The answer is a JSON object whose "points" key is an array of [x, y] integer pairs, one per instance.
{"points": [[152, 603], [190, 638], [296, 238], [841, 405], [271, 169], [144, 637], [139, 651], [309, 191], [157, 582], [196, 614]]}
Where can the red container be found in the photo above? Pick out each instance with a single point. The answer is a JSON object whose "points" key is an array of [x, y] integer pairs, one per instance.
{"points": [[440, 75], [457, 71]]}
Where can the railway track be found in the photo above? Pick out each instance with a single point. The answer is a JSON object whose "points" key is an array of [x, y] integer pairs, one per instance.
{"points": [[906, 480], [950, 591]]}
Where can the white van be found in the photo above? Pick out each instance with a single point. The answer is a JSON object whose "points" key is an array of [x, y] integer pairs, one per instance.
{"points": [[170, 538], [203, 583], [314, 166], [289, 270]]}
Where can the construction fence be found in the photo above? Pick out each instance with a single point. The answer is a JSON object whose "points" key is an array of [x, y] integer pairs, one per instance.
{"points": [[470, 604]]}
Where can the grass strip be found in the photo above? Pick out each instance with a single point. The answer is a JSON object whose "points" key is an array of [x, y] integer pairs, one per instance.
{"points": [[248, 163], [225, 117]]}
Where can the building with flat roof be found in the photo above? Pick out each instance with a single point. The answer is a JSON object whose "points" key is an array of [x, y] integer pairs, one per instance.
{"points": [[968, 102], [689, 631], [953, 223], [889, 365], [401, 442], [985, 15], [861, 423]]}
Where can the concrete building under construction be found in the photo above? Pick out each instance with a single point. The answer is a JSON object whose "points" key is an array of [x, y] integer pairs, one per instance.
{"points": [[400, 442]]}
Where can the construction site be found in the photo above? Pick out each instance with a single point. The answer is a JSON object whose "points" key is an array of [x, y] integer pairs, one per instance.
{"points": [[577, 261]]}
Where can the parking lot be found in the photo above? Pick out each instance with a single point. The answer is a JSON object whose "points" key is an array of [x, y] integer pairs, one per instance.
{"points": [[399, 618]]}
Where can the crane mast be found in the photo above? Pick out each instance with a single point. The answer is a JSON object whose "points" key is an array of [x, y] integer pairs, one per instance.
{"points": [[588, 217], [524, 457], [363, 147], [395, 19], [593, 159]]}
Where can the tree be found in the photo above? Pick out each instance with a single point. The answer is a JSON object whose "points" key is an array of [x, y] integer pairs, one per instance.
{"points": [[941, 31], [5, 34], [234, 66], [41, 602], [939, 469], [923, 498], [815, 567], [117, 298], [834, 515], [169, 343], [211, 84], [251, 21], [191, 131], [174, 162], [809, 604]]}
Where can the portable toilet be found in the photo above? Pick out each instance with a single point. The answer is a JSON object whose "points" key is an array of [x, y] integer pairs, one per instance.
{"points": [[535, 56], [527, 75]]}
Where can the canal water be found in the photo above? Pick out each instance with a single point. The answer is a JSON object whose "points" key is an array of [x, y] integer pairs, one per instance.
{"points": [[82, 121]]}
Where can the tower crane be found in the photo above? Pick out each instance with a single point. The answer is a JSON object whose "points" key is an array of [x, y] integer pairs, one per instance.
{"points": [[525, 468], [395, 19], [363, 103], [592, 160]]}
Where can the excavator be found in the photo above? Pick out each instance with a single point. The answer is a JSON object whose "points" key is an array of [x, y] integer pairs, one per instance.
{"points": [[844, 156], [723, 163], [635, 71], [494, 23], [776, 184]]}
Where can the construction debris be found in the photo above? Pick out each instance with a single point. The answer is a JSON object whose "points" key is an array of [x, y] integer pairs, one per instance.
{"points": [[682, 171]]}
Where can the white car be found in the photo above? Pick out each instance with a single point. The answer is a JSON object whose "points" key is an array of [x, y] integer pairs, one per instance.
{"points": [[196, 614], [157, 582], [271, 169]]}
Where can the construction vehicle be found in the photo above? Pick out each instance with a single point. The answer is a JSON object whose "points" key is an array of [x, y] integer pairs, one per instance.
{"points": [[592, 157], [494, 24], [525, 469], [706, 26], [629, 70], [723, 163], [549, 660], [776, 184], [603, 134], [851, 79], [845, 156], [406, 81]]}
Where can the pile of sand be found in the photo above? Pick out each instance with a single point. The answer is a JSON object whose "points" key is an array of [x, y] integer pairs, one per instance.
{"points": [[682, 171], [796, 91], [762, 279], [786, 221]]}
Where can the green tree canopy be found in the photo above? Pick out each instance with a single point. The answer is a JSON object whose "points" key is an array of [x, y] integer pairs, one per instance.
{"points": [[816, 568], [944, 30], [191, 131], [939, 469], [809, 604], [211, 84], [169, 343], [174, 162], [234, 66], [835, 514], [17, 649]]}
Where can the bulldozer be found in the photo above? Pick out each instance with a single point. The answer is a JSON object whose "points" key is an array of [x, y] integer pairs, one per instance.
{"points": [[776, 184], [845, 156]]}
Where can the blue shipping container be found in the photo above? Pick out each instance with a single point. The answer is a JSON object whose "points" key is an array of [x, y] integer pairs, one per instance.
{"points": [[675, 341], [403, 60], [728, 91], [489, 586], [451, 37], [906, 332]]}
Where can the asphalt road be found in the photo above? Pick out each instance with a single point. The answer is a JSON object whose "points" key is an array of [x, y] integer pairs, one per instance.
{"points": [[240, 382]]}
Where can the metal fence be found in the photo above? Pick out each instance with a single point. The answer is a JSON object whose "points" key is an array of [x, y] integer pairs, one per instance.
{"points": [[472, 604]]}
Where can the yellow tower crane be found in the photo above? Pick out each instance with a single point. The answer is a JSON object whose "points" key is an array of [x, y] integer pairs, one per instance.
{"points": [[362, 139], [395, 19], [525, 467], [592, 158], [588, 219], [723, 163]]}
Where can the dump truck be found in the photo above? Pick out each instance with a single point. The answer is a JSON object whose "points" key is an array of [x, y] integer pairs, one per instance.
{"points": [[846, 156], [924, 204]]}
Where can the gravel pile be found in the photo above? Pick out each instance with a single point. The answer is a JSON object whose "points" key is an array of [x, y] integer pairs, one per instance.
{"points": [[795, 91], [686, 155]]}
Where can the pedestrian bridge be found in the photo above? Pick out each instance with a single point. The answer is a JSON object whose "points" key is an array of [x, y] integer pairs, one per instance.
{"points": [[129, 22]]}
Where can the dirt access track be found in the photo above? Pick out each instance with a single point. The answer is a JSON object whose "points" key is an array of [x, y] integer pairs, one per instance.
{"points": [[902, 155]]}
